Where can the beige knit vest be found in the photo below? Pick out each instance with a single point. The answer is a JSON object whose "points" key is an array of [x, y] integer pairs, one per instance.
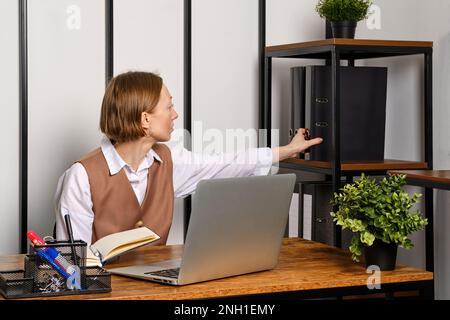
{"points": [[115, 205]]}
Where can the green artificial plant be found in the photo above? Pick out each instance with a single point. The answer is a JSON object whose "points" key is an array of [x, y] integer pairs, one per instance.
{"points": [[343, 10], [377, 210]]}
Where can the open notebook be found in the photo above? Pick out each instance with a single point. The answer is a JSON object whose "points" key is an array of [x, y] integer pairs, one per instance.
{"points": [[118, 243]]}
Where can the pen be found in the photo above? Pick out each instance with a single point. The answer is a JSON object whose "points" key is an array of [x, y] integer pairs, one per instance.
{"points": [[70, 234], [97, 254], [44, 255]]}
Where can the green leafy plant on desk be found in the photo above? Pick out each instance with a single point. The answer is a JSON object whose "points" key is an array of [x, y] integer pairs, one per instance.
{"points": [[377, 212]]}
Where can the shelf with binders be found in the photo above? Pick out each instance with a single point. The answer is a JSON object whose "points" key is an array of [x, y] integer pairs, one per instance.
{"points": [[334, 51]]}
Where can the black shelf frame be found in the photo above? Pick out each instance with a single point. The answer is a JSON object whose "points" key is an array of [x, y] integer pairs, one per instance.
{"points": [[187, 103], [347, 52], [303, 167], [334, 54], [424, 288], [23, 110]]}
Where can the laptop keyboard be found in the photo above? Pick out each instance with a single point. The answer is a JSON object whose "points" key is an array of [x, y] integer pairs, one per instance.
{"points": [[169, 273]]}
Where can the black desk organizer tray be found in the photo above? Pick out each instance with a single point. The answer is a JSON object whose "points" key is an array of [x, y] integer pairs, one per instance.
{"points": [[40, 279]]}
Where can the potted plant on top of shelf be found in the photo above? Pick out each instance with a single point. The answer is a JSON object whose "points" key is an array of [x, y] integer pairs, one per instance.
{"points": [[343, 15], [378, 213]]}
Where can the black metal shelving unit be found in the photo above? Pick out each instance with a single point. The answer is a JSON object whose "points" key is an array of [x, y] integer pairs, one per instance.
{"points": [[334, 51]]}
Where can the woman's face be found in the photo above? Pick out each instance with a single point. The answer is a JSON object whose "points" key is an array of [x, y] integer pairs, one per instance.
{"points": [[160, 121]]}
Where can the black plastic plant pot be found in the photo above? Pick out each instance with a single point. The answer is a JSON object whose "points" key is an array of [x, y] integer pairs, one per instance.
{"points": [[381, 254], [344, 29]]}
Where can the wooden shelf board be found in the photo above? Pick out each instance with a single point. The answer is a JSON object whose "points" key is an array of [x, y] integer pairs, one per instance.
{"points": [[350, 42], [387, 164], [438, 176]]}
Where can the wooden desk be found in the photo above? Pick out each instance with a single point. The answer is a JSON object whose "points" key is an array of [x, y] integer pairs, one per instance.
{"points": [[306, 269]]}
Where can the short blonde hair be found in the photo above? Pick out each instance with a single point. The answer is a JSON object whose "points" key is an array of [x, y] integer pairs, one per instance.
{"points": [[126, 97]]}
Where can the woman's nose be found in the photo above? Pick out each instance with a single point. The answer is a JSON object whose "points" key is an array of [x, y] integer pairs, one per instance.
{"points": [[175, 115]]}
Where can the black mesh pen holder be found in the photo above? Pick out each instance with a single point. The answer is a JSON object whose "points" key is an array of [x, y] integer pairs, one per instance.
{"points": [[54, 269]]}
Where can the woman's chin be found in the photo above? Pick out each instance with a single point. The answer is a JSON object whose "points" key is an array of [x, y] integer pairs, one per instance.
{"points": [[162, 138], [166, 138]]}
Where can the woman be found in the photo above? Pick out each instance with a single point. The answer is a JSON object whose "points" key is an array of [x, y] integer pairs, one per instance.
{"points": [[132, 179]]}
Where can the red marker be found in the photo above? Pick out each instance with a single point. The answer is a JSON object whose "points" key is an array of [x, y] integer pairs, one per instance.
{"points": [[35, 239]]}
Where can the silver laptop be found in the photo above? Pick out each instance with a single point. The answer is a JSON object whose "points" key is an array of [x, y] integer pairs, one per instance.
{"points": [[236, 227]]}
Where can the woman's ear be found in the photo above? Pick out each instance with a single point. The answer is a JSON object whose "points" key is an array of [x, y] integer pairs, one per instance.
{"points": [[145, 120]]}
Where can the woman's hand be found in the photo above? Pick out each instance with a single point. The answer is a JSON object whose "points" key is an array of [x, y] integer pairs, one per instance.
{"points": [[298, 144]]}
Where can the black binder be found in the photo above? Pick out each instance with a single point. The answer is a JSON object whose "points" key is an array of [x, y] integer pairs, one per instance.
{"points": [[363, 110], [322, 225]]}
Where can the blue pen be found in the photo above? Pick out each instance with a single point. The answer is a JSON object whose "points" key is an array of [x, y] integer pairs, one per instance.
{"points": [[71, 278], [44, 255]]}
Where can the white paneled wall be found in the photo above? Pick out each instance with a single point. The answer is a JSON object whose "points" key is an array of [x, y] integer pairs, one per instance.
{"points": [[224, 73], [148, 36], [66, 84], [9, 127], [224, 66]]}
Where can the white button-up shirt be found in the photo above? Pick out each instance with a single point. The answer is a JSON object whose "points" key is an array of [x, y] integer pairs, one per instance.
{"points": [[73, 194]]}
